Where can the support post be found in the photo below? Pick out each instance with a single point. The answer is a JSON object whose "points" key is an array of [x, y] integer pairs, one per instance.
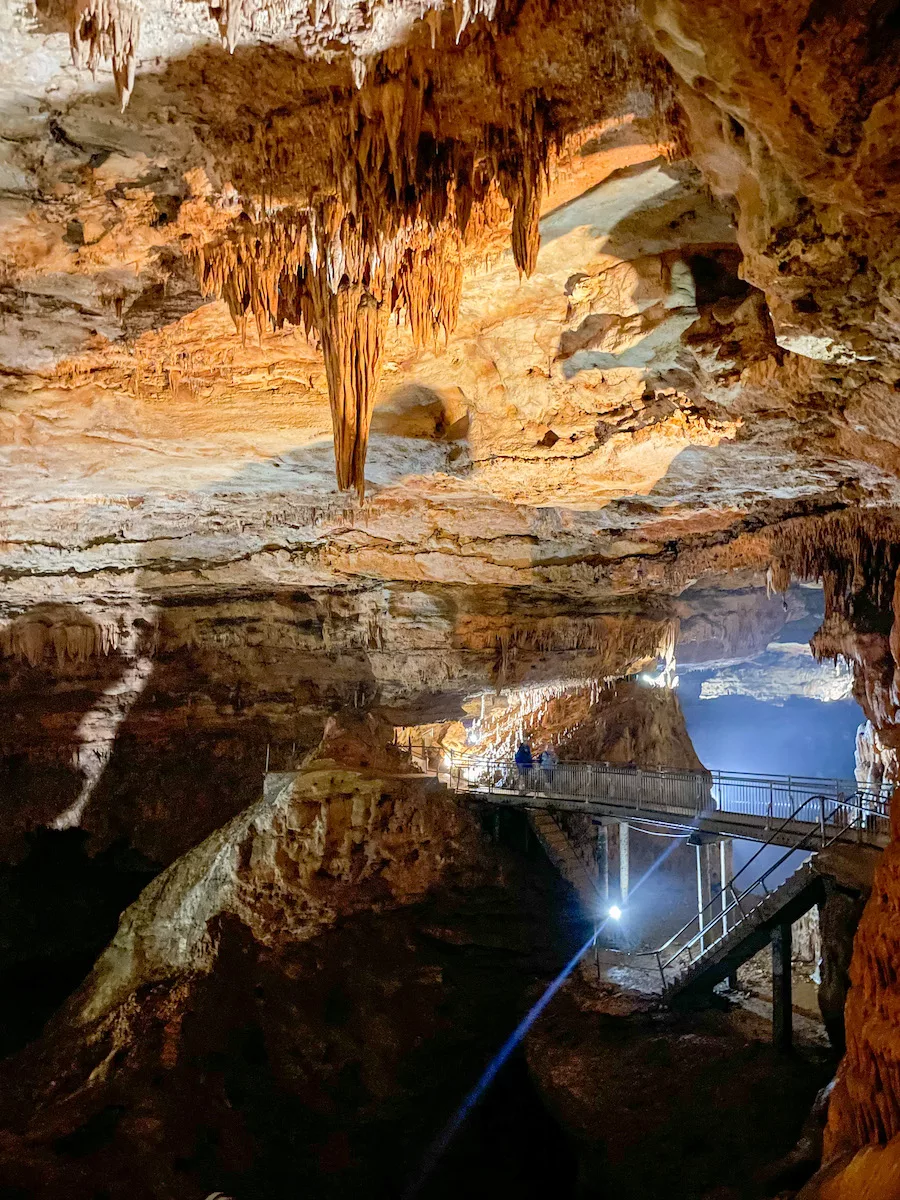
{"points": [[623, 862], [698, 849], [603, 861], [782, 1012]]}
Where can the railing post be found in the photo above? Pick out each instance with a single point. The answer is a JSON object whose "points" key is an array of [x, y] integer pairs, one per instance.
{"points": [[859, 817], [700, 906], [822, 818]]}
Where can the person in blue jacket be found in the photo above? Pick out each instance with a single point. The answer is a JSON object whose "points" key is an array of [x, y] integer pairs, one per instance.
{"points": [[524, 764]]}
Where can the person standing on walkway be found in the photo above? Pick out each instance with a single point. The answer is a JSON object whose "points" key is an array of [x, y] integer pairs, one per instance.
{"points": [[548, 761], [524, 765]]}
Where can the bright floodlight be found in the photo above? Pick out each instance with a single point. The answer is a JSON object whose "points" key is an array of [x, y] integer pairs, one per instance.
{"points": [[615, 912]]}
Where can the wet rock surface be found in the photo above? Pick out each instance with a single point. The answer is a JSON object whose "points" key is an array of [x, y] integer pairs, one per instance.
{"points": [[639, 1091]]}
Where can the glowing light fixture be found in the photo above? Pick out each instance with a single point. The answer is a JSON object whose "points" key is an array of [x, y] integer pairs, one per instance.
{"points": [[615, 912]]}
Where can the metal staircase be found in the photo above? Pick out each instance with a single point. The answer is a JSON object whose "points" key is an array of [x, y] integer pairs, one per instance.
{"points": [[783, 906], [742, 919], [567, 860]]}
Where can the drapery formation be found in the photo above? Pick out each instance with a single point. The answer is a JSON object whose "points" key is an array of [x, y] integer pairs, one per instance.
{"points": [[362, 190]]}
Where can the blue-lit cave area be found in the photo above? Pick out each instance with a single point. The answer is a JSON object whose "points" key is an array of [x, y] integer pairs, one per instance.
{"points": [[449, 600]]}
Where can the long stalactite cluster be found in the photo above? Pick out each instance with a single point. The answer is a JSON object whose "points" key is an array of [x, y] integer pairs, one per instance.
{"points": [[317, 269], [855, 551], [106, 30], [361, 190], [390, 241]]}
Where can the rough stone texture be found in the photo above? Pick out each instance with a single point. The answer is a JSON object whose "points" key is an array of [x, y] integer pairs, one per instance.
{"points": [[194, 1058], [872, 1174], [637, 1093], [785, 669], [703, 349], [152, 724], [795, 123], [630, 392], [866, 1100]]}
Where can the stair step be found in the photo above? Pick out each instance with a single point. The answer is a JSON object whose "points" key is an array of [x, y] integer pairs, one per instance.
{"points": [[767, 907], [566, 859]]}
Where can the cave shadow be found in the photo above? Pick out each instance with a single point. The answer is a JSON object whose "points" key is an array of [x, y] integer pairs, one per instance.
{"points": [[59, 904], [46, 646], [190, 753]]}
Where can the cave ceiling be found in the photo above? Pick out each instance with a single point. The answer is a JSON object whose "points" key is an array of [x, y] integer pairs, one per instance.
{"points": [[575, 298]]}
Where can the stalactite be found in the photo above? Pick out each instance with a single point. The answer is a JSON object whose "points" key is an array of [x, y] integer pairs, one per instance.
{"points": [[858, 550], [352, 335], [317, 269], [632, 638], [381, 199], [106, 29], [34, 640]]}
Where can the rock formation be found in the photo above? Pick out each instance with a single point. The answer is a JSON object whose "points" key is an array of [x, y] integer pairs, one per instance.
{"points": [[388, 358], [230, 981]]}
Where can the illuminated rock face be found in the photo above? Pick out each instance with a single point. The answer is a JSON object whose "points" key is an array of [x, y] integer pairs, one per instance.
{"points": [[647, 336], [630, 391], [346, 952], [865, 1106], [151, 725]]}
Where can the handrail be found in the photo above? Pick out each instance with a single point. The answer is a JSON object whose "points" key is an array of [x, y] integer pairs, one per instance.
{"points": [[730, 884], [736, 902], [812, 783], [857, 806], [723, 913], [747, 891], [764, 795]]}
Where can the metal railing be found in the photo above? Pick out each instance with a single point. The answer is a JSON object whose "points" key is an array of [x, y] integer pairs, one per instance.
{"points": [[828, 811], [774, 799], [716, 920]]}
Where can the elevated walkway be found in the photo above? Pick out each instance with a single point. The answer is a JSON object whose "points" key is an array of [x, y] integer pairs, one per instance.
{"points": [[748, 911], [748, 914], [763, 808]]}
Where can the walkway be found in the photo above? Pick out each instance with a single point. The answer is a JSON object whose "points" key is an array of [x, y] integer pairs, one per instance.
{"points": [[765, 808], [736, 916]]}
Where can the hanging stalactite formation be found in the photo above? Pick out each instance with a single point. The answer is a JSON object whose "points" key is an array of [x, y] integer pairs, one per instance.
{"points": [[316, 269], [364, 184], [392, 241], [106, 30], [109, 30]]}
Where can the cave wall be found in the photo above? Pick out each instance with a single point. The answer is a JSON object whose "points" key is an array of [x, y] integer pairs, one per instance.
{"points": [[193, 1059]]}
